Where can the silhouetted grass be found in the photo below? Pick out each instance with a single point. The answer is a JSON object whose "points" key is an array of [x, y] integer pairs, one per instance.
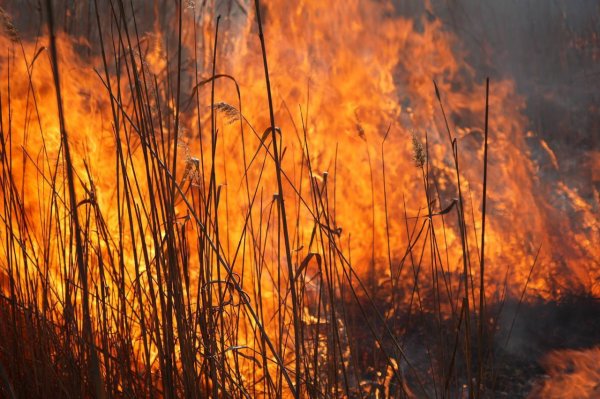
{"points": [[166, 302]]}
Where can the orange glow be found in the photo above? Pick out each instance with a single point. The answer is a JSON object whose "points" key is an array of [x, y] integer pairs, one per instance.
{"points": [[342, 76], [571, 374]]}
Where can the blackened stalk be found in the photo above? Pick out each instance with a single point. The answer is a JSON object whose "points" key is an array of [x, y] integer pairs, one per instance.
{"points": [[94, 366], [465, 246], [280, 196], [213, 192], [482, 265]]}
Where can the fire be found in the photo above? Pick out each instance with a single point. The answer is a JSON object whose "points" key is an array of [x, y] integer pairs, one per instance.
{"points": [[370, 74], [571, 374], [353, 96]]}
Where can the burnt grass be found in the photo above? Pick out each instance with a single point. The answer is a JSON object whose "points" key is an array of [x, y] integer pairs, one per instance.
{"points": [[540, 327], [519, 335]]}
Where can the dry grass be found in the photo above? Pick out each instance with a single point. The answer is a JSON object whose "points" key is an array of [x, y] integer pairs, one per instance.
{"points": [[167, 304]]}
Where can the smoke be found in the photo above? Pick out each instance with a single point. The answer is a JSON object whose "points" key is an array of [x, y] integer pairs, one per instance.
{"points": [[551, 51]]}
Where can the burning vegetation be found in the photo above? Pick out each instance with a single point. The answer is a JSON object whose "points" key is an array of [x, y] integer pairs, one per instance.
{"points": [[289, 199]]}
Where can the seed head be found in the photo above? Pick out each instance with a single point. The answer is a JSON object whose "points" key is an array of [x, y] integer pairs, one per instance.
{"points": [[229, 111], [419, 154], [9, 28]]}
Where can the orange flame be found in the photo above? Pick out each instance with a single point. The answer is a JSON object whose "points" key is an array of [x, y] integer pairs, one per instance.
{"points": [[352, 84]]}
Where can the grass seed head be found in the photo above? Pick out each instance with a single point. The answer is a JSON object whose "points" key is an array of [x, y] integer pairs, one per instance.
{"points": [[9, 28], [419, 154], [229, 111]]}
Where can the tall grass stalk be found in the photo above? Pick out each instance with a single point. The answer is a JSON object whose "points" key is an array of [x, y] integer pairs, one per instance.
{"points": [[155, 296]]}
